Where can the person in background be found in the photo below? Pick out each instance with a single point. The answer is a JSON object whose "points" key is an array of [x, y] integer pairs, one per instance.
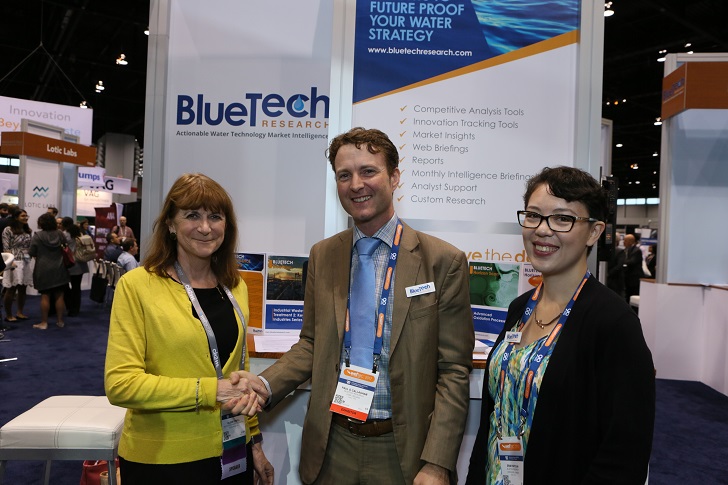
{"points": [[651, 260], [113, 249], [615, 271], [75, 272], [50, 276], [412, 424], [123, 230], [177, 335], [52, 210], [632, 266], [59, 223], [16, 240], [129, 250], [569, 388], [5, 219], [84, 226]]}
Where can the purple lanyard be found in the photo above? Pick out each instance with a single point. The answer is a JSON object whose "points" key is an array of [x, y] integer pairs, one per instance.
{"points": [[545, 349], [381, 314]]}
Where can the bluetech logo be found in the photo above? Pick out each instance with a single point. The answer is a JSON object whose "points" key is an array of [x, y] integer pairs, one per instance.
{"points": [[252, 106], [40, 191]]}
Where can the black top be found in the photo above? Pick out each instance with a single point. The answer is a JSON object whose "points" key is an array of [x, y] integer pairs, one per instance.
{"points": [[221, 315]]}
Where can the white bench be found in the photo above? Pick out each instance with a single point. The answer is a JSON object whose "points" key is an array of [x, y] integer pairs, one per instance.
{"points": [[64, 428]]}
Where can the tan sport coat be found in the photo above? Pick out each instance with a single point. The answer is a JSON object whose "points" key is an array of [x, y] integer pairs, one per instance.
{"points": [[430, 351]]}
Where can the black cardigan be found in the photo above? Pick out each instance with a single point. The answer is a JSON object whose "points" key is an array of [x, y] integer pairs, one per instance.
{"points": [[595, 413]]}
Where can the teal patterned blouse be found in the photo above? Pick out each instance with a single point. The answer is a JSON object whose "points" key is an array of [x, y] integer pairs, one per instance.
{"points": [[510, 405]]}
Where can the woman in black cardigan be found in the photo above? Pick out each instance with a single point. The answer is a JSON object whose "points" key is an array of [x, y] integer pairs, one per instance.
{"points": [[570, 380]]}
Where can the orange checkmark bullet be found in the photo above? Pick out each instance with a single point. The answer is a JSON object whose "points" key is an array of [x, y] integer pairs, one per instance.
{"points": [[402, 134], [400, 198], [403, 108], [402, 146], [402, 159], [401, 122]]}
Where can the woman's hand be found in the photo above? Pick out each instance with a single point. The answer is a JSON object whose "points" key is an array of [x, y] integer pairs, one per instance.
{"points": [[263, 468], [242, 393]]}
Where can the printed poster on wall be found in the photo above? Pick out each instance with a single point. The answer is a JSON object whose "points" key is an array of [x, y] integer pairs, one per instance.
{"points": [[493, 286], [477, 96], [252, 269], [285, 285]]}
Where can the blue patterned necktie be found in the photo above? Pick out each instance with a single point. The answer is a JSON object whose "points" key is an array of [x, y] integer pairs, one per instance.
{"points": [[363, 304]]}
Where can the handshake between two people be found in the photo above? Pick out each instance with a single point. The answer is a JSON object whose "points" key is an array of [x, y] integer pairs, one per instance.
{"points": [[242, 393]]}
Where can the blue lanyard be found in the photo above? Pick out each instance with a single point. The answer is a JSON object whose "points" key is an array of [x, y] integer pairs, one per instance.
{"points": [[211, 340], [381, 314], [544, 350]]}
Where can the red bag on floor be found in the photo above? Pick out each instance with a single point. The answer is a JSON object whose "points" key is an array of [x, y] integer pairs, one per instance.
{"points": [[92, 469]]}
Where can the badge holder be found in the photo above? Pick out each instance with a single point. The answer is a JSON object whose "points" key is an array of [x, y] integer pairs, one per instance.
{"points": [[355, 392], [234, 452]]}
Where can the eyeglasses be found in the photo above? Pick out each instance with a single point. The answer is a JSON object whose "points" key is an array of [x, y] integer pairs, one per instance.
{"points": [[556, 222]]}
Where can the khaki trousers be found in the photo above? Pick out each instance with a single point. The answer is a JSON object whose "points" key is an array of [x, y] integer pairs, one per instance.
{"points": [[353, 460]]}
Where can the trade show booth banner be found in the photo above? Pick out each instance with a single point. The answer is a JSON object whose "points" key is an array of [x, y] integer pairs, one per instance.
{"points": [[477, 97]]}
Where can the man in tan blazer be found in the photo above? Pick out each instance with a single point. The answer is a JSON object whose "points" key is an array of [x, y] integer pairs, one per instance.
{"points": [[416, 424]]}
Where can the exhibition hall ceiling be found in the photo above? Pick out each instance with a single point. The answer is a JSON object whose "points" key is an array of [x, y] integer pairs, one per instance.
{"points": [[57, 51]]}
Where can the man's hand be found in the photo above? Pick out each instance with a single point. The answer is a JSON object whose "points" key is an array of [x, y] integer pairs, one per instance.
{"points": [[432, 474], [263, 468], [242, 393]]}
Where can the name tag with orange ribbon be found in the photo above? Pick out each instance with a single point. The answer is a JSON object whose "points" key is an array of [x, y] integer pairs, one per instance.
{"points": [[354, 392]]}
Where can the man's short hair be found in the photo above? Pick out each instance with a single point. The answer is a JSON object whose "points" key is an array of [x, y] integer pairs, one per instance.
{"points": [[376, 141], [128, 243]]}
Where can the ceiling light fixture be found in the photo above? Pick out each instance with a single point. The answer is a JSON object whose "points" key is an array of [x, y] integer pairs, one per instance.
{"points": [[619, 145], [655, 154], [121, 60], [100, 86], [634, 166], [83, 105], [146, 31], [658, 121], [608, 12], [660, 59], [688, 44]]}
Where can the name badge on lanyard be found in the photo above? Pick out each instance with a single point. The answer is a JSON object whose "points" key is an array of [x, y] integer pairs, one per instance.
{"points": [[234, 453], [355, 392], [510, 452]]}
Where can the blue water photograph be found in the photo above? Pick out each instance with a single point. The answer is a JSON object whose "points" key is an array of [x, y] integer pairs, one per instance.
{"points": [[509, 25]]}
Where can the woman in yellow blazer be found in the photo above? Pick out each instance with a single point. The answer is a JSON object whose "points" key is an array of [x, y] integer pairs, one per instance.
{"points": [[177, 334]]}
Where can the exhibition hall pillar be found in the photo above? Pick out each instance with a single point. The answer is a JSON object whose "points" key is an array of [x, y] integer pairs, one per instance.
{"points": [[684, 311]]}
